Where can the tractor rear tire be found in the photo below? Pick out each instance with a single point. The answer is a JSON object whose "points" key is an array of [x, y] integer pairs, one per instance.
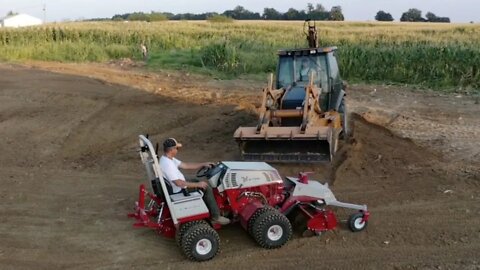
{"points": [[184, 227], [355, 222], [255, 215], [272, 229], [200, 242]]}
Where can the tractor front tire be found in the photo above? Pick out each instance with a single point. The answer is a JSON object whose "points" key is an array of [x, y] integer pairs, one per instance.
{"points": [[272, 229], [200, 242], [356, 223], [255, 215], [184, 227]]}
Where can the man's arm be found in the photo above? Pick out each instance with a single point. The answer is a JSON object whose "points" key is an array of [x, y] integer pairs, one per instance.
{"points": [[184, 184], [194, 166]]}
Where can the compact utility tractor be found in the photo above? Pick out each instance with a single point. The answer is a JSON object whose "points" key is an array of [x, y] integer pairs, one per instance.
{"points": [[303, 111], [252, 193]]}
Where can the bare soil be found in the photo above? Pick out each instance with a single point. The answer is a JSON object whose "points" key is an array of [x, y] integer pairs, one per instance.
{"points": [[70, 171]]}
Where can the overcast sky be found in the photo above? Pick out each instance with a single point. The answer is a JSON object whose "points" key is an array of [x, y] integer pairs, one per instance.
{"points": [[354, 10]]}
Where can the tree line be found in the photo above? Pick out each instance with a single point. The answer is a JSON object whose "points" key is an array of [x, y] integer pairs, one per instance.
{"points": [[412, 15], [314, 12]]}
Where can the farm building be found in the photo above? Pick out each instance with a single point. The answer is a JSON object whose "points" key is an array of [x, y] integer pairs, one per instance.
{"points": [[19, 20]]}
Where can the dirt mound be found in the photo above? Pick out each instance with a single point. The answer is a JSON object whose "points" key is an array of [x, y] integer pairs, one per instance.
{"points": [[375, 155]]}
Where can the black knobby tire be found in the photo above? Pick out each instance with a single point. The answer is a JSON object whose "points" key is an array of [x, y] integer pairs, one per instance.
{"points": [[272, 229], [200, 242], [355, 222], [255, 215], [345, 125], [184, 227]]}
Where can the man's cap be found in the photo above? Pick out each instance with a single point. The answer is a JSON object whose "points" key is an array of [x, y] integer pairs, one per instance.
{"points": [[171, 142]]}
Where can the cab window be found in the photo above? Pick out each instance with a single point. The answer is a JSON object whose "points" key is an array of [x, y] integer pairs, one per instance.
{"points": [[334, 72], [285, 72], [312, 64]]}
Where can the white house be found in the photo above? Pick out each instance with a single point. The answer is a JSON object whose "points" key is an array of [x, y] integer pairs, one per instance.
{"points": [[19, 20]]}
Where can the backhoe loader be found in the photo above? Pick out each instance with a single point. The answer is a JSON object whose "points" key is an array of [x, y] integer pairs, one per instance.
{"points": [[303, 112]]}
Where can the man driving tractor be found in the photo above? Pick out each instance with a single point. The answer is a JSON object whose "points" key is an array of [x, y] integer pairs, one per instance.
{"points": [[170, 169], [305, 70]]}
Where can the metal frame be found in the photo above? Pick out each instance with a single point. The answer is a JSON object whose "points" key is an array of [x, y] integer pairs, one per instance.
{"points": [[182, 209], [148, 156]]}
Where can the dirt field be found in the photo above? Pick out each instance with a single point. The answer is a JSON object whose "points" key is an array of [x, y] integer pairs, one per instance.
{"points": [[70, 172]]}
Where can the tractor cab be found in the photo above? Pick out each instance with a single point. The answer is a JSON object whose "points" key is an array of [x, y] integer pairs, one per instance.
{"points": [[296, 67]]}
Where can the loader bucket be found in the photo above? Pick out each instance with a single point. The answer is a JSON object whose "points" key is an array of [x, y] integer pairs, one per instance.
{"points": [[287, 151], [287, 145]]}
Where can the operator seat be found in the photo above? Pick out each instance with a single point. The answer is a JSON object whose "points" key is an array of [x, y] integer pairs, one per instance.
{"points": [[181, 196], [157, 188]]}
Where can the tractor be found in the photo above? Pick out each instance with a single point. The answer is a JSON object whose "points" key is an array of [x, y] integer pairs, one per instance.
{"points": [[303, 111], [251, 193]]}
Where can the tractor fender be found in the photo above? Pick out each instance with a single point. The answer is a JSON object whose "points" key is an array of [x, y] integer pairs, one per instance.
{"points": [[340, 96], [293, 201], [247, 212], [290, 208]]}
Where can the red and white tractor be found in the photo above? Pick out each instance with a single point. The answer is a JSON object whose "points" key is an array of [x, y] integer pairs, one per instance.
{"points": [[252, 193]]}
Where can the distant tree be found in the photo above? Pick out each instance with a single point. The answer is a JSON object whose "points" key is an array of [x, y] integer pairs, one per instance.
{"points": [[157, 16], [229, 13], [271, 14], [169, 15], [317, 8], [234, 13], [383, 16], [184, 16], [430, 16], [302, 15], [12, 13], [310, 8], [219, 19], [240, 13], [117, 18], [443, 19], [292, 14], [433, 18], [317, 13], [336, 14], [138, 16], [320, 8], [255, 16], [412, 15]]}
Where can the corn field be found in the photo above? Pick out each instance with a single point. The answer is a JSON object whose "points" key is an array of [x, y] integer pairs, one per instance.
{"points": [[430, 55]]}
